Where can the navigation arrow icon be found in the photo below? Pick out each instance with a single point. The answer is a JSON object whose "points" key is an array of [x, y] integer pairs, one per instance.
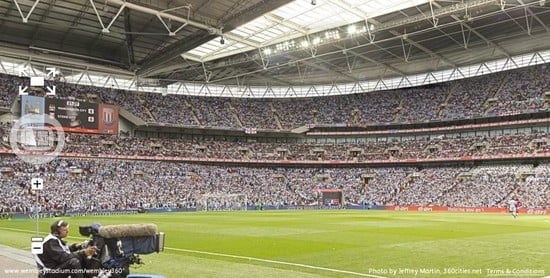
{"points": [[51, 90], [22, 91], [51, 71]]}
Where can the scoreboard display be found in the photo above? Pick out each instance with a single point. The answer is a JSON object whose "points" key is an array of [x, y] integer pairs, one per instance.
{"points": [[74, 115]]}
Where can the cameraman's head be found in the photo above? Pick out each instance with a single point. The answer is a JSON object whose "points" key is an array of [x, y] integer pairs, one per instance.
{"points": [[59, 228]]}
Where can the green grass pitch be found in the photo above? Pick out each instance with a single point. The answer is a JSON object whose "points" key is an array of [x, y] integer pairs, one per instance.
{"points": [[331, 243]]}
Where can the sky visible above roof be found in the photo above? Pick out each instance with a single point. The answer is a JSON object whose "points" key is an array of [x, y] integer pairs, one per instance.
{"points": [[292, 22]]}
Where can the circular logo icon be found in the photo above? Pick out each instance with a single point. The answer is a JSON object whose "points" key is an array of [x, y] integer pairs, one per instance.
{"points": [[37, 138]]}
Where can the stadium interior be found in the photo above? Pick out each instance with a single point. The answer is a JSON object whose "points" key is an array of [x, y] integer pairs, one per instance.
{"points": [[427, 103]]}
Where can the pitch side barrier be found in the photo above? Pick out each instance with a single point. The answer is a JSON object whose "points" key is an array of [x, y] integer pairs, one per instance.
{"points": [[531, 211], [536, 211], [26, 215]]}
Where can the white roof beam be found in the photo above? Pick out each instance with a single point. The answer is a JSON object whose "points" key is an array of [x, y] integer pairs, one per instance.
{"points": [[166, 15], [465, 25], [535, 16], [371, 60], [24, 18], [275, 19]]}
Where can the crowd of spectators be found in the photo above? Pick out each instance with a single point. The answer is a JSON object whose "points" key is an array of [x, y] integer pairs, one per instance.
{"points": [[423, 104], [168, 109], [9, 89], [521, 144], [503, 93], [255, 114], [523, 90], [91, 184], [469, 99]]}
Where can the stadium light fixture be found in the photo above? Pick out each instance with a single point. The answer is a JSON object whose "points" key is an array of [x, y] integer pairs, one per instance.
{"points": [[316, 41], [352, 29]]}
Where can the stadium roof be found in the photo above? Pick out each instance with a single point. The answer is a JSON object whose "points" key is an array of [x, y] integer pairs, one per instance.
{"points": [[271, 42]]}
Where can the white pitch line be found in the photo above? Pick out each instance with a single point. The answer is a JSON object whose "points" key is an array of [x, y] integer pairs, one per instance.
{"points": [[246, 258], [276, 262]]}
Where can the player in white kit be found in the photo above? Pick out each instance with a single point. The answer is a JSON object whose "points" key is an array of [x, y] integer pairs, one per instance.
{"points": [[513, 208]]}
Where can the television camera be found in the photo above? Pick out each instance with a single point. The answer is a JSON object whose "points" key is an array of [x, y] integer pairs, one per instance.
{"points": [[119, 246]]}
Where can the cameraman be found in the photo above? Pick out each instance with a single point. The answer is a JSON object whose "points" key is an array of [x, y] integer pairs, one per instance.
{"points": [[59, 259]]}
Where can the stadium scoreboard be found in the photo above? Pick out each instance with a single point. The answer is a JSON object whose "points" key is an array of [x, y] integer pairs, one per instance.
{"points": [[74, 115]]}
